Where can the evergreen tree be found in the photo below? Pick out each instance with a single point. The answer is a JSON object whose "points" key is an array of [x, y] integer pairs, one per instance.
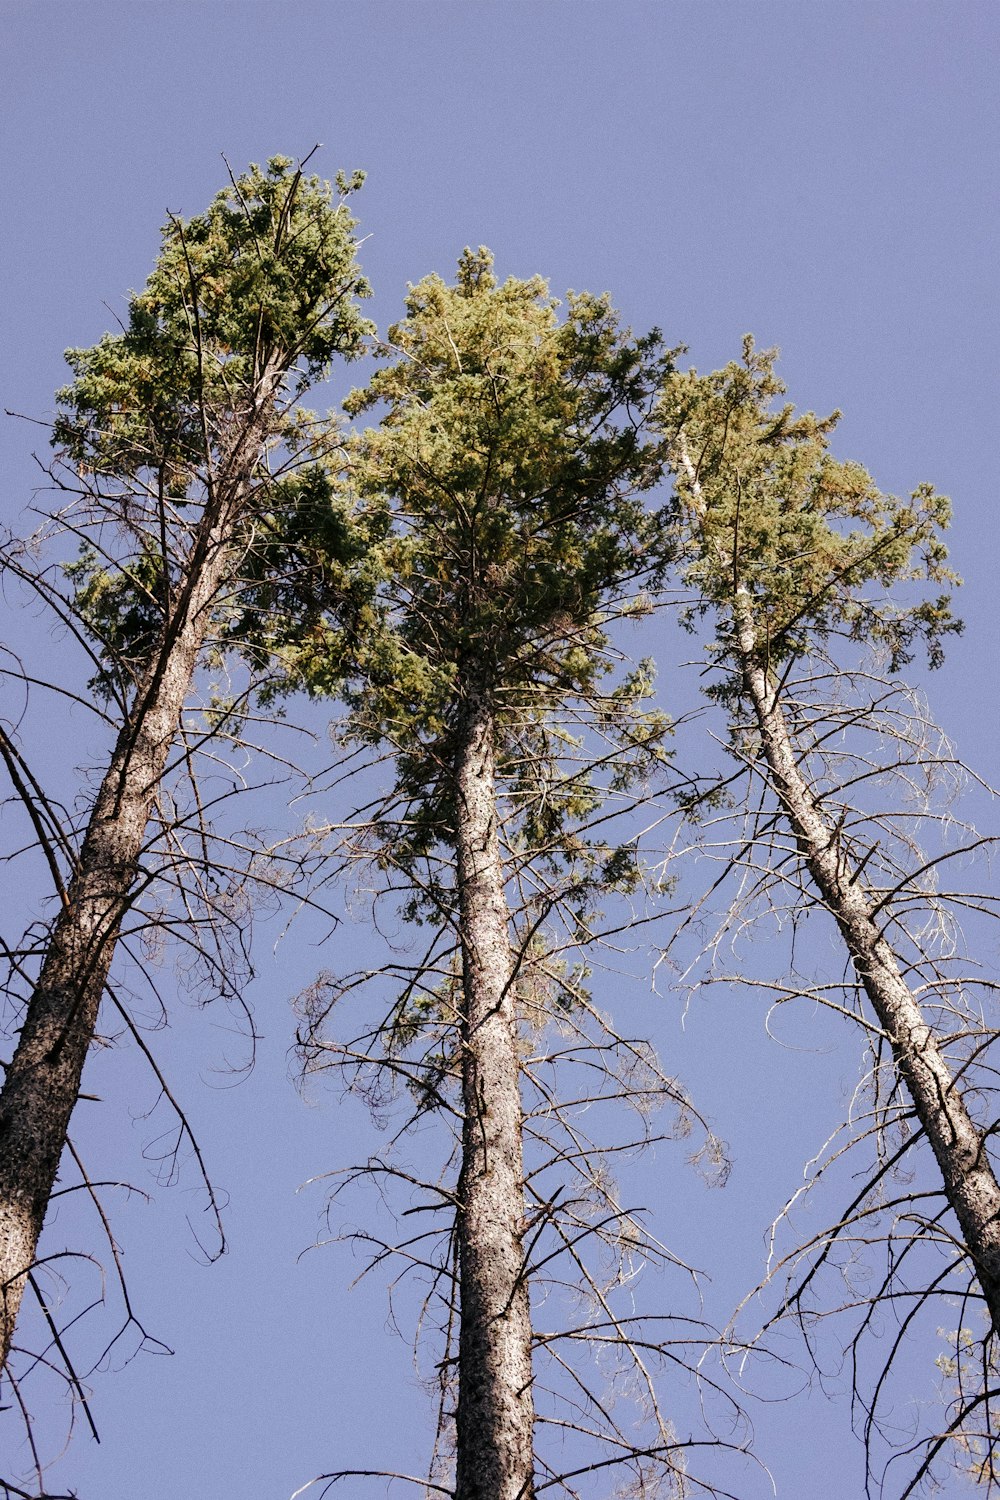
{"points": [[513, 458], [816, 587], [175, 443]]}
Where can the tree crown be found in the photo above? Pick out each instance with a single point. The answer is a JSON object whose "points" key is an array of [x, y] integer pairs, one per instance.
{"points": [[246, 305], [509, 470], [769, 511], [266, 277], [515, 450]]}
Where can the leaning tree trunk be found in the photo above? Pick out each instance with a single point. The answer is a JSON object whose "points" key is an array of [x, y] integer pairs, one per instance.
{"points": [[43, 1079], [495, 1405], [959, 1145]]}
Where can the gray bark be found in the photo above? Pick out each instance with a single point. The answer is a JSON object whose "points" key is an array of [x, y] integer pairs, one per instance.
{"points": [[959, 1145], [495, 1405], [43, 1080]]}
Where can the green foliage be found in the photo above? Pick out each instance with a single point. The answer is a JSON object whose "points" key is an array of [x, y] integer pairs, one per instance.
{"points": [[512, 456], [514, 451], [503, 501], [307, 603], [811, 541], [123, 611], [266, 276], [247, 304]]}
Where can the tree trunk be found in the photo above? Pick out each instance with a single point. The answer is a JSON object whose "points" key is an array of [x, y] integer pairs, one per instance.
{"points": [[495, 1405], [43, 1079], [959, 1145]]}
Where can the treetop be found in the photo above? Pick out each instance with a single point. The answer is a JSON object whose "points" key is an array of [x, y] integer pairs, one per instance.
{"points": [[267, 276], [767, 510]]}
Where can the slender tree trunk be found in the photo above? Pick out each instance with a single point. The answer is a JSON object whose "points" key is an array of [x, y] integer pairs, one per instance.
{"points": [[495, 1404], [958, 1144], [43, 1079]]}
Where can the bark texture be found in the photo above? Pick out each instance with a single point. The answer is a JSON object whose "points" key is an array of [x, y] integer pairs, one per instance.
{"points": [[43, 1080], [958, 1143], [495, 1405]]}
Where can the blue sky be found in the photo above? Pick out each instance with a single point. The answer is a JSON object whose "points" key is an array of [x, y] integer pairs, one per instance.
{"points": [[823, 174]]}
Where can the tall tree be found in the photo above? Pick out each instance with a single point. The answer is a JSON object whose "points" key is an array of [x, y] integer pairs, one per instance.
{"points": [[513, 458], [794, 554], [173, 444]]}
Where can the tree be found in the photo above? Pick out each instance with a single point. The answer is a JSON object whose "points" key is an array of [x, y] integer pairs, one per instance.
{"points": [[175, 442], [794, 555], [512, 461]]}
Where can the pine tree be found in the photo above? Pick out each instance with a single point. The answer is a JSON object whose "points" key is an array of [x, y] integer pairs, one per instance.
{"points": [[816, 587], [512, 460], [174, 443]]}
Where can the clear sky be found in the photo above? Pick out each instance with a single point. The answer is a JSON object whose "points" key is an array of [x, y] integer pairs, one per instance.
{"points": [[823, 174]]}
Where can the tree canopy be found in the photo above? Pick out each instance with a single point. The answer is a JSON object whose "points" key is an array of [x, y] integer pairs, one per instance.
{"points": [[459, 577], [809, 539]]}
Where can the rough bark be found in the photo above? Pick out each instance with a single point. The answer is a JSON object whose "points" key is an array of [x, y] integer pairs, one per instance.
{"points": [[495, 1405], [958, 1143], [43, 1079]]}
